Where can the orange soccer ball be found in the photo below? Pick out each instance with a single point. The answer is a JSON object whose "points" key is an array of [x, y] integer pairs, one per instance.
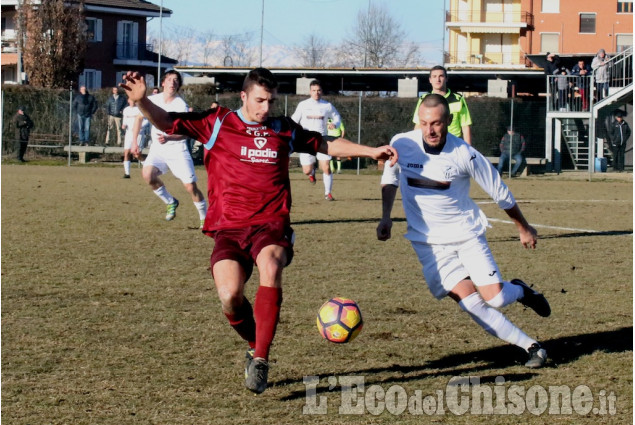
{"points": [[339, 320]]}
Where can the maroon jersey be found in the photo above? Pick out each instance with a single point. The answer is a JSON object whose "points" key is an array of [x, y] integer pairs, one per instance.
{"points": [[247, 164]]}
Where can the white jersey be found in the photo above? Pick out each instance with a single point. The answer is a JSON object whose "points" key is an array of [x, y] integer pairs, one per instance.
{"points": [[176, 105], [435, 188], [130, 114], [313, 115]]}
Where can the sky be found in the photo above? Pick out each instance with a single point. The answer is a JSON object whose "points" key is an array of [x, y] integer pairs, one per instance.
{"points": [[288, 22]]}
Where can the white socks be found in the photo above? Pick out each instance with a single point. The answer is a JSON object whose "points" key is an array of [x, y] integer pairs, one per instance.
{"points": [[494, 322], [328, 183], [508, 294], [202, 209], [165, 196], [126, 167]]}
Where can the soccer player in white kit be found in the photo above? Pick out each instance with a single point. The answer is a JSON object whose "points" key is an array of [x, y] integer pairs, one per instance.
{"points": [[130, 114], [313, 114], [447, 229], [169, 152]]}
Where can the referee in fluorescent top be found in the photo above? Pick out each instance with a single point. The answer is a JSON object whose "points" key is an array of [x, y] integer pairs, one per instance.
{"points": [[447, 229]]}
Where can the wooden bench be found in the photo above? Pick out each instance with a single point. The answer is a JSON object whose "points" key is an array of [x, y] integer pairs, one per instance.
{"points": [[46, 141], [85, 153], [532, 165]]}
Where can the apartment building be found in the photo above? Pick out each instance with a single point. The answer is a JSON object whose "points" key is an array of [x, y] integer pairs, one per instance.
{"points": [[510, 33]]}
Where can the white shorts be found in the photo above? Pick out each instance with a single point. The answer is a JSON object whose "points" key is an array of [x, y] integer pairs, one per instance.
{"points": [[444, 266], [127, 141], [308, 159], [174, 157]]}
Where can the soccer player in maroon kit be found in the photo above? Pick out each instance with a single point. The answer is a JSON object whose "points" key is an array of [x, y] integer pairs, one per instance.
{"points": [[249, 195]]}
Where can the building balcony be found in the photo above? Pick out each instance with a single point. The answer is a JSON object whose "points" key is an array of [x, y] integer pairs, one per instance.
{"points": [[485, 60], [9, 41], [134, 51], [481, 21]]}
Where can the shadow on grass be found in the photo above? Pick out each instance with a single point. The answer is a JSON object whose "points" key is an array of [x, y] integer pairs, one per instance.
{"points": [[502, 239], [561, 351], [566, 235]]}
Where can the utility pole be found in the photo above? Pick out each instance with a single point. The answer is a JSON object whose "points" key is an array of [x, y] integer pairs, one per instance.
{"points": [[158, 82], [262, 28]]}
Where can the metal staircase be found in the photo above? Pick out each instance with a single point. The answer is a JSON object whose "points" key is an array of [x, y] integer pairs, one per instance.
{"points": [[572, 118], [576, 143]]}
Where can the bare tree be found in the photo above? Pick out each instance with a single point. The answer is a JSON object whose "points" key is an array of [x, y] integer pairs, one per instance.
{"points": [[237, 50], [53, 37], [208, 46], [376, 42], [313, 52]]}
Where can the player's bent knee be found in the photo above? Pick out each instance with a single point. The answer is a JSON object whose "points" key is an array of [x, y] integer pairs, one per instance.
{"points": [[230, 300]]}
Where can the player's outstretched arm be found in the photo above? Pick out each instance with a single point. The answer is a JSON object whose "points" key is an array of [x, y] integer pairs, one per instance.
{"points": [[343, 147], [388, 193], [528, 235], [135, 86]]}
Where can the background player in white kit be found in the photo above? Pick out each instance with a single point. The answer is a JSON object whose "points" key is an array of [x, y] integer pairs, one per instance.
{"points": [[313, 114], [447, 229], [130, 114], [169, 152]]}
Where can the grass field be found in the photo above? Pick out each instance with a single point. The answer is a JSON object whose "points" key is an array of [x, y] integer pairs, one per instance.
{"points": [[109, 314]]}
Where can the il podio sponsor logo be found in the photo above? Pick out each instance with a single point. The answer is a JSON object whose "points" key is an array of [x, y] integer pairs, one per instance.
{"points": [[259, 155]]}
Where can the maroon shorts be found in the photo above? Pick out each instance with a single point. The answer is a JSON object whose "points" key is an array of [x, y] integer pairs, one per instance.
{"points": [[243, 245]]}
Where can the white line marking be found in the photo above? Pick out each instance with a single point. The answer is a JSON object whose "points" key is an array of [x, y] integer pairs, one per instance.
{"points": [[533, 201], [543, 226]]}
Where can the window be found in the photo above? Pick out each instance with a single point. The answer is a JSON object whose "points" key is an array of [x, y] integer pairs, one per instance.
{"points": [[624, 6], [550, 6], [623, 42], [91, 78], [587, 23], [93, 29], [127, 39], [549, 42]]}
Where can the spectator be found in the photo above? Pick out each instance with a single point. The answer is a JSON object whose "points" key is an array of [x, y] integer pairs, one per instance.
{"points": [[600, 65], [551, 68], [562, 82], [461, 125], [619, 132], [517, 142], [114, 107], [85, 106], [214, 105], [583, 72], [23, 126]]}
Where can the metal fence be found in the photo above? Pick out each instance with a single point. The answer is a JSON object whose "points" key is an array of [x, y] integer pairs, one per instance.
{"points": [[371, 120]]}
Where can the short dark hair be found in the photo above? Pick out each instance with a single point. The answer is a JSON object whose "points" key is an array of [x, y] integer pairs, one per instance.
{"points": [[619, 113], [173, 72], [262, 77], [437, 68], [315, 83], [432, 100]]}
